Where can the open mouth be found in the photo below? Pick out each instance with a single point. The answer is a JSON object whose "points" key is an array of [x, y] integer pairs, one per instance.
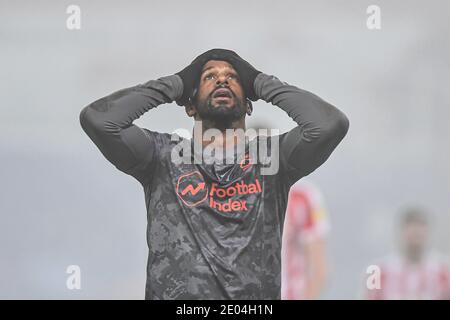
{"points": [[222, 93]]}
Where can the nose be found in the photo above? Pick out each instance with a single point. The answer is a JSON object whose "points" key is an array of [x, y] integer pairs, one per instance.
{"points": [[222, 79]]}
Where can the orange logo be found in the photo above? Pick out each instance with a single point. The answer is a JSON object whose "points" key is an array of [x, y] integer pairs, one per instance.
{"points": [[245, 162], [228, 199], [191, 188]]}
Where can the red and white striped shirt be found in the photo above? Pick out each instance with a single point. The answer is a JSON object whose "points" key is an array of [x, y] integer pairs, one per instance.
{"points": [[305, 221], [400, 280]]}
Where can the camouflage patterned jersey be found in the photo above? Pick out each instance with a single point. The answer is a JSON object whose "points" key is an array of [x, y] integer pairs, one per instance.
{"points": [[214, 231]]}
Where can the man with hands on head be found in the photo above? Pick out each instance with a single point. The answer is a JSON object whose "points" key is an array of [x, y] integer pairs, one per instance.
{"points": [[214, 229]]}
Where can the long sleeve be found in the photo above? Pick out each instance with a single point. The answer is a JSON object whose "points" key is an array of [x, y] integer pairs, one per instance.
{"points": [[321, 126], [109, 124]]}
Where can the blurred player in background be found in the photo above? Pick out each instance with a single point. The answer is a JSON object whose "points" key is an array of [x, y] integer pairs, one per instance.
{"points": [[416, 272], [304, 263]]}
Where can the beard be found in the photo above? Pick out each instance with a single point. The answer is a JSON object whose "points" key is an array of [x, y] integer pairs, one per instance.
{"points": [[221, 112]]}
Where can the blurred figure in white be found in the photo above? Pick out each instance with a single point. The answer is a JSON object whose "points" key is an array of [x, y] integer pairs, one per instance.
{"points": [[304, 263], [416, 272]]}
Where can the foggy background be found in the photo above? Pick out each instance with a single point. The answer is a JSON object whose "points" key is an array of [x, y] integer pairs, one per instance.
{"points": [[62, 203]]}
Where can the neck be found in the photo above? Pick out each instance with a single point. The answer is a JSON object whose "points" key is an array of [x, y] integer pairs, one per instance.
{"points": [[214, 134]]}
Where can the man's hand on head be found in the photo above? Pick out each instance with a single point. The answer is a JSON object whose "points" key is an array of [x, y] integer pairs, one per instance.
{"points": [[189, 76]]}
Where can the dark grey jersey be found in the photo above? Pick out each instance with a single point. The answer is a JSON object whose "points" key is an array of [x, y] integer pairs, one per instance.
{"points": [[214, 231]]}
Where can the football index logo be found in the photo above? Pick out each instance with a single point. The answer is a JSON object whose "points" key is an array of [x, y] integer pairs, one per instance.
{"points": [[192, 189]]}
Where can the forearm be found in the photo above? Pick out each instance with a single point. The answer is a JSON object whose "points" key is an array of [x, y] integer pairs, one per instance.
{"points": [[119, 109], [109, 122], [321, 126]]}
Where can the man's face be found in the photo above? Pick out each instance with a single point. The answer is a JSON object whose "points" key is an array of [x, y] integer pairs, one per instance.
{"points": [[220, 96]]}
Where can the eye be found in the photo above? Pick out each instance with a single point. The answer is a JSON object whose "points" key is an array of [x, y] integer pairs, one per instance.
{"points": [[209, 77]]}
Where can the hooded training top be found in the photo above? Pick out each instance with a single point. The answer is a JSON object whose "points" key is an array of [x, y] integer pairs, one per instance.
{"points": [[214, 231]]}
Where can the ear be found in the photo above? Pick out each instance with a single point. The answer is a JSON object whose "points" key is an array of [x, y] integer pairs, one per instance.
{"points": [[249, 107], [190, 109]]}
